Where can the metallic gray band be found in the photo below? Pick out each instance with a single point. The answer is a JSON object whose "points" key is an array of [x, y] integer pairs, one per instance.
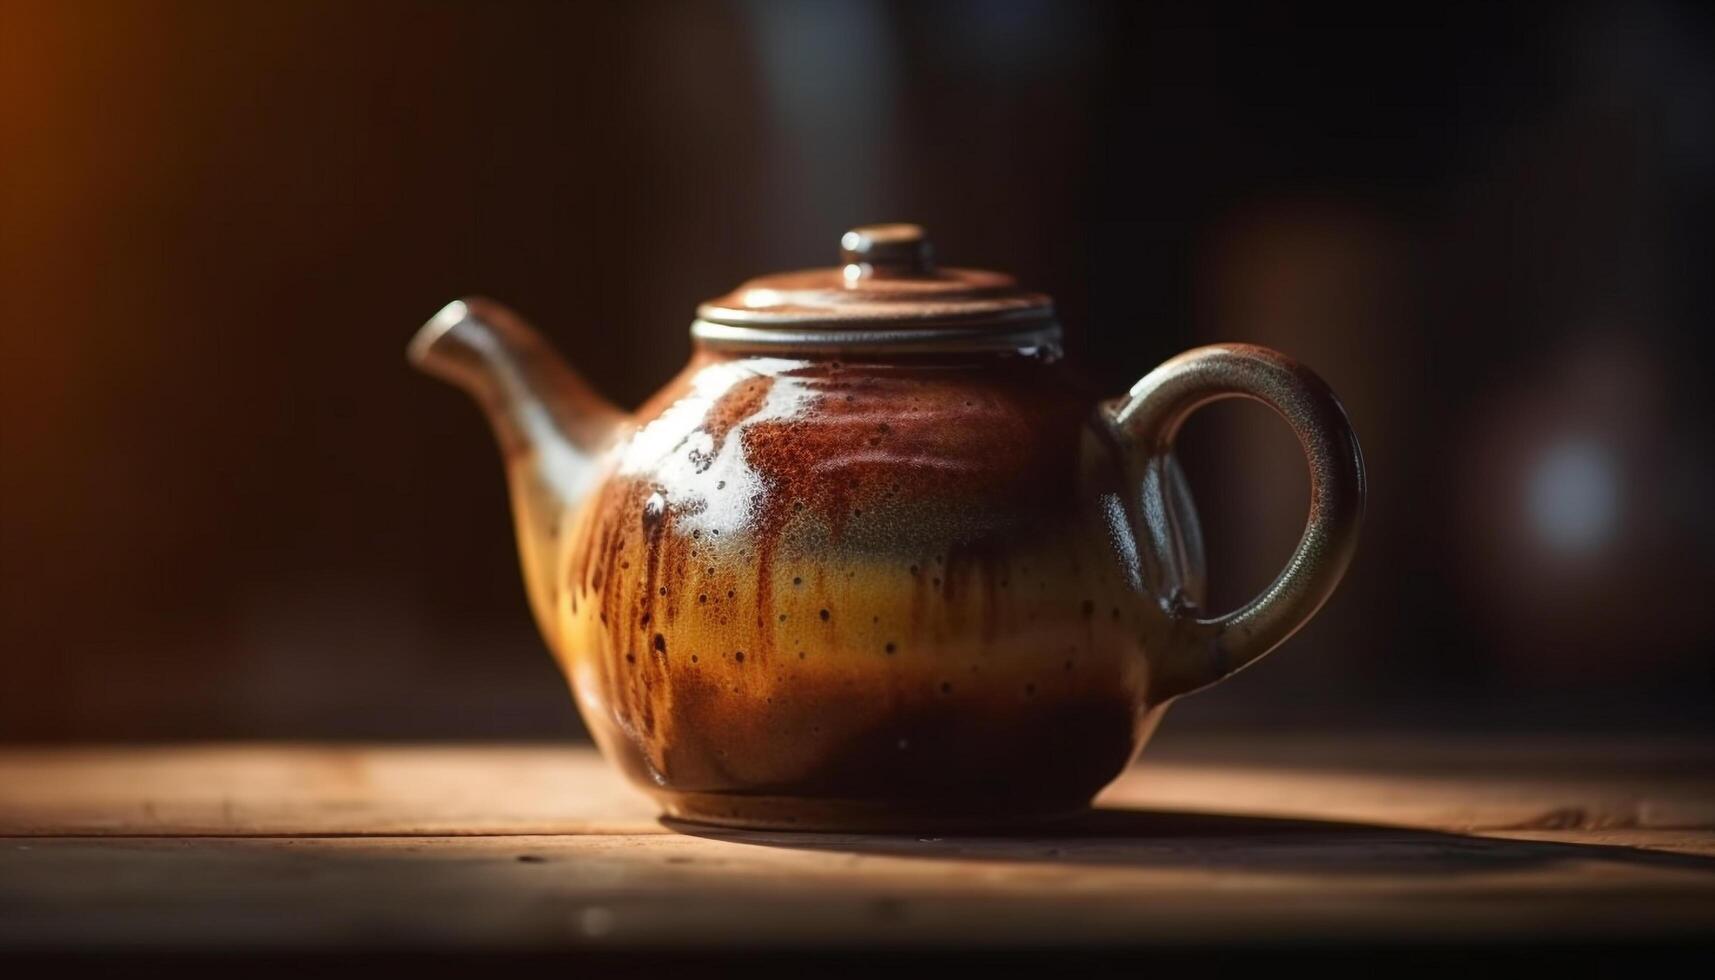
{"points": [[726, 336]]}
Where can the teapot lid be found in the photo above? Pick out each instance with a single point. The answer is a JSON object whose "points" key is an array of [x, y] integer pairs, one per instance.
{"points": [[887, 292]]}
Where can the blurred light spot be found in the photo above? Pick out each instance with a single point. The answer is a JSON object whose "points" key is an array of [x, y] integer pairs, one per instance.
{"points": [[1015, 38], [830, 73], [595, 921], [1573, 496]]}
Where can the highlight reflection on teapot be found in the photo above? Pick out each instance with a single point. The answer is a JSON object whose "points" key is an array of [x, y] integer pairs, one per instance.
{"points": [[877, 558]]}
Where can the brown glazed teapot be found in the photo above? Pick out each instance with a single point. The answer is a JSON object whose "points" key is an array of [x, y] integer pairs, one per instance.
{"points": [[877, 559]]}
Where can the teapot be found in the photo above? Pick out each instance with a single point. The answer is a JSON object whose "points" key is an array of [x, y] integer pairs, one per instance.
{"points": [[878, 558]]}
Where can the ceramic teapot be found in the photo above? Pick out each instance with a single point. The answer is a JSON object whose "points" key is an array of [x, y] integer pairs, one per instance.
{"points": [[878, 558]]}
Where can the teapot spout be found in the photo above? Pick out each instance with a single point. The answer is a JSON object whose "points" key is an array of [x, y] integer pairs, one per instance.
{"points": [[552, 427]]}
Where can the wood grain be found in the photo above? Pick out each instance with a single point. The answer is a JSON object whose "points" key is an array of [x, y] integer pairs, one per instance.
{"points": [[530, 847]]}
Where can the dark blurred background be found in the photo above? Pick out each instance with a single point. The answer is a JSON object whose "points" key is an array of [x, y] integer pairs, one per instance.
{"points": [[227, 508]]}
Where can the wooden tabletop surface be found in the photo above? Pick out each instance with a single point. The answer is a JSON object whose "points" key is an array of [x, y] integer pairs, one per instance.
{"points": [[450, 847]]}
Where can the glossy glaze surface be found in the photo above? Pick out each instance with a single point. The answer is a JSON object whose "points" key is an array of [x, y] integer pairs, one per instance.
{"points": [[897, 581]]}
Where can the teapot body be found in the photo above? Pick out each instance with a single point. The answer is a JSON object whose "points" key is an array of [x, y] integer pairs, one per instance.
{"points": [[885, 591]]}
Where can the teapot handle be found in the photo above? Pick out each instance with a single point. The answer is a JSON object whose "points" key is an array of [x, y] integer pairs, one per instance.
{"points": [[1147, 422]]}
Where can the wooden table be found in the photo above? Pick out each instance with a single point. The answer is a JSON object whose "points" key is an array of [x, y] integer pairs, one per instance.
{"points": [[1208, 843]]}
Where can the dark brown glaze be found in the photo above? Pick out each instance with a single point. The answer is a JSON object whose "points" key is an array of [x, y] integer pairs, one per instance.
{"points": [[888, 582]]}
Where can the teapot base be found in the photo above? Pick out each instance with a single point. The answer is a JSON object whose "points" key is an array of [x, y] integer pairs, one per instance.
{"points": [[824, 815]]}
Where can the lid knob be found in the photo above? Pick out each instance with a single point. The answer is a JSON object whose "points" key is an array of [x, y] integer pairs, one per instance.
{"points": [[885, 252]]}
